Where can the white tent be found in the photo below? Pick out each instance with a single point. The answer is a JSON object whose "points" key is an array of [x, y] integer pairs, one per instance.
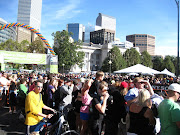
{"points": [[138, 69], [166, 72], [133, 74]]}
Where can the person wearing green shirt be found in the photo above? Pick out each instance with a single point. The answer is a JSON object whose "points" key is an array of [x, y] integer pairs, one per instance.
{"points": [[22, 88], [22, 92], [169, 112]]}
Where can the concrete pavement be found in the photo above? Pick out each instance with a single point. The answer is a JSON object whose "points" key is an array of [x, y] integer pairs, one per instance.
{"points": [[10, 124]]}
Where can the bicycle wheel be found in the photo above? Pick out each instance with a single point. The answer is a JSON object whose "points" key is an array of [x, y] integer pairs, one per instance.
{"points": [[70, 132]]}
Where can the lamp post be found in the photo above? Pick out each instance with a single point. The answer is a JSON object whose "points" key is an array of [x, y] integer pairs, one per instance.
{"points": [[177, 3], [63, 67], [110, 62]]}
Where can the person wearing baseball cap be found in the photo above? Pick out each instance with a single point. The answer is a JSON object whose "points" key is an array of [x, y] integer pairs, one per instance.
{"points": [[169, 112]]}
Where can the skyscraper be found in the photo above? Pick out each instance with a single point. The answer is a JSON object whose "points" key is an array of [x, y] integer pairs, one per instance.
{"points": [[29, 12], [145, 42], [105, 22], [78, 31]]}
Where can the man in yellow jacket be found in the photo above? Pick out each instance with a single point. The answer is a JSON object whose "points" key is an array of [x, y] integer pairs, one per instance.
{"points": [[33, 109]]}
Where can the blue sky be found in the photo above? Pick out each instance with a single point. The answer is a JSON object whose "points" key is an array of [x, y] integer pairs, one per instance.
{"points": [[154, 17]]}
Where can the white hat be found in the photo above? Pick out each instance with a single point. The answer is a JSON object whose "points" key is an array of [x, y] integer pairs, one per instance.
{"points": [[174, 87]]}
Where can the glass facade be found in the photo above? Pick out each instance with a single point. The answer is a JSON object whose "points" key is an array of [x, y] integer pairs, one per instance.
{"points": [[78, 31], [29, 12], [7, 33]]}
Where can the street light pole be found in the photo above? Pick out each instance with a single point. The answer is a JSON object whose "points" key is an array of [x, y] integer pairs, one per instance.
{"points": [[110, 62], [63, 67], [177, 3]]}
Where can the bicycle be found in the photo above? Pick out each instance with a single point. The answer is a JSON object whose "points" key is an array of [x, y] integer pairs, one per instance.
{"points": [[60, 127]]}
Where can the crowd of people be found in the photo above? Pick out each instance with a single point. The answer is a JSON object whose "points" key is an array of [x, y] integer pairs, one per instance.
{"points": [[102, 104]]}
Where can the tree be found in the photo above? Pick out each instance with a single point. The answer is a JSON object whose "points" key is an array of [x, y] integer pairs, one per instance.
{"points": [[67, 51], [23, 46], [157, 63], [168, 64], [9, 45], [105, 65], [36, 46], [116, 58], [174, 60], [146, 59], [80, 61], [132, 57]]}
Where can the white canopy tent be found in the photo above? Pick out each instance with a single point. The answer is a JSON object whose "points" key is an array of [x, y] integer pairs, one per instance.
{"points": [[133, 74], [166, 72], [138, 69]]}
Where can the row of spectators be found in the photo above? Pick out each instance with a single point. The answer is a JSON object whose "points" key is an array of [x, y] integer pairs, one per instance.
{"points": [[101, 102]]}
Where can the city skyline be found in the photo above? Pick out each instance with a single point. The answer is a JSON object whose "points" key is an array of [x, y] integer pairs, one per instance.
{"points": [[155, 17]]}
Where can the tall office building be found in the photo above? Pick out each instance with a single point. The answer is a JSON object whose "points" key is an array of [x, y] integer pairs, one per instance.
{"points": [[8, 33], [78, 31], [145, 42], [105, 22], [29, 12], [102, 36]]}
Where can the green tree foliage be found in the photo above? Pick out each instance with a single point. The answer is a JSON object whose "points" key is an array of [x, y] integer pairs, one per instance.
{"points": [[157, 63], [105, 65], [10, 45], [24, 46], [132, 57], [36, 46], [168, 64], [67, 51], [174, 60], [116, 58], [146, 59]]}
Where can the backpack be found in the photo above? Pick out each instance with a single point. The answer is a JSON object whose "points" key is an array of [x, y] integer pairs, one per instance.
{"points": [[20, 93]]}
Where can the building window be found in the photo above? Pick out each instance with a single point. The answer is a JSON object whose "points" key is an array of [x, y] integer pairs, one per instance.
{"points": [[97, 56]]}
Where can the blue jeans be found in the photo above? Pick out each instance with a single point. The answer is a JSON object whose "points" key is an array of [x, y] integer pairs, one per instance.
{"points": [[34, 128]]}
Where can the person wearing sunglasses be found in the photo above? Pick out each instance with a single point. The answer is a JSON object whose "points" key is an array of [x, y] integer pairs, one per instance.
{"points": [[33, 109], [139, 83]]}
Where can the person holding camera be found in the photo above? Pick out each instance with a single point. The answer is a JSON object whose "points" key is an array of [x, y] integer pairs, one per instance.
{"points": [[98, 107], [132, 94]]}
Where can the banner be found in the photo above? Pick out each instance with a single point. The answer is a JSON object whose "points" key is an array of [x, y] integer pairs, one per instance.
{"points": [[53, 68], [160, 87], [23, 58]]}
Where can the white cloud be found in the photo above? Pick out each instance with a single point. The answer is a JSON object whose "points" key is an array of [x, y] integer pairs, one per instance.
{"points": [[69, 10], [60, 13]]}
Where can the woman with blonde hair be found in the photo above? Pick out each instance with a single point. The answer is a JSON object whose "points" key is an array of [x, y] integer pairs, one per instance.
{"points": [[142, 121]]}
